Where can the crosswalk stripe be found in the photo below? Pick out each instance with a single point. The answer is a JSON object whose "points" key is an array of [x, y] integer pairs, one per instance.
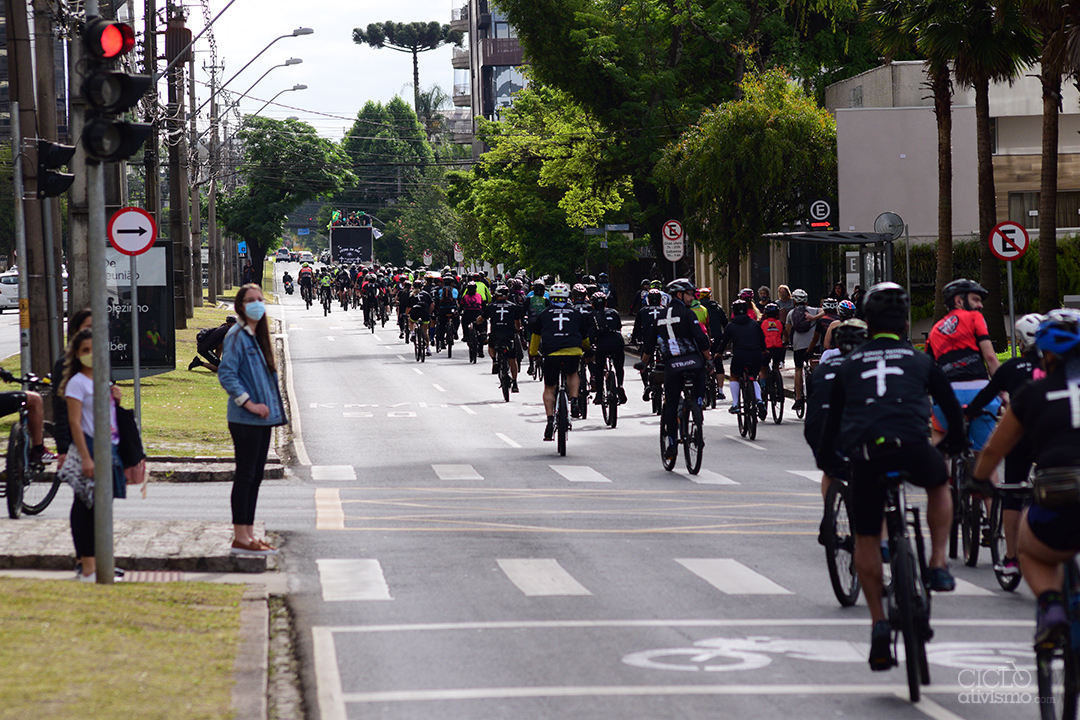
{"points": [[360, 579], [731, 577], [333, 472], [467, 409], [814, 475], [537, 577], [329, 514], [744, 442], [507, 440], [579, 473], [707, 477], [456, 472], [967, 589]]}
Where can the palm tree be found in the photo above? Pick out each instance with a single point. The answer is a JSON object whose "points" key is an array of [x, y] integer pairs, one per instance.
{"points": [[413, 38], [895, 29]]}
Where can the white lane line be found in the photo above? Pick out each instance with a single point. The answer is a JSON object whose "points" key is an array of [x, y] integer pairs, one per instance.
{"points": [[440, 388], [736, 438], [290, 390], [538, 577], [327, 675], [579, 473], [399, 357], [707, 477], [467, 409], [418, 371], [344, 580], [930, 708], [506, 439], [377, 338], [968, 589], [814, 475], [456, 472], [331, 338], [329, 514], [731, 577], [333, 472]]}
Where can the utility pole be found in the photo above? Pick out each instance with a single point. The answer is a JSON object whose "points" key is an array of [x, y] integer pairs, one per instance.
{"points": [[150, 148], [44, 50], [177, 194], [196, 210], [214, 289]]}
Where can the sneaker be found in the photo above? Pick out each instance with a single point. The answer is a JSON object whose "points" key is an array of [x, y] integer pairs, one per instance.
{"points": [[941, 580], [987, 537], [821, 533], [1051, 624], [645, 394], [671, 449], [428, 352], [798, 405], [549, 430], [720, 395], [598, 400], [574, 412], [400, 336], [734, 409], [622, 396], [761, 410], [91, 578], [514, 387], [1009, 568], [881, 656], [494, 367], [40, 456], [196, 362]]}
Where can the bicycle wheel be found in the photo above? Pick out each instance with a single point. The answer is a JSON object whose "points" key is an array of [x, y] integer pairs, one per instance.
{"points": [[583, 395], [611, 399], [904, 578], [472, 348], [562, 420], [958, 474], [668, 463], [776, 396], [504, 377], [657, 396], [450, 344], [800, 408], [41, 483], [750, 410], [423, 345], [840, 544], [971, 515], [1009, 583], [693, 437], [15, 469]]}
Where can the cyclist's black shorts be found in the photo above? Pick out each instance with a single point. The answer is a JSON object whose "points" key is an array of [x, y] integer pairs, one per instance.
{"points": [[778, 355], [418, 314], [1057, 529], [554, 365], [922, 461], [800, 358], [751, 362], [10, 402], [497, 342]]}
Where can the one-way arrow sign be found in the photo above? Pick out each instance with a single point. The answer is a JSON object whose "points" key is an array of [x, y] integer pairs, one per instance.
{"points": [[132, 231]]}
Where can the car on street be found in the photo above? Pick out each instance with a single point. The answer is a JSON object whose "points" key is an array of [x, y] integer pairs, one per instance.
{"points": [[9, 290], [282, 255], [307, 257]]}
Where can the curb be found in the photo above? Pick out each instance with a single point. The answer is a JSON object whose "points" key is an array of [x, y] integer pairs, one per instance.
{"points": [[200, 472], [251, 669]]}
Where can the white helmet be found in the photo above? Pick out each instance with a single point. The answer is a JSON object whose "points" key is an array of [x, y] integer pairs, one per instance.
{"points": [[799, 296], [559, 292], [1026, 327]]}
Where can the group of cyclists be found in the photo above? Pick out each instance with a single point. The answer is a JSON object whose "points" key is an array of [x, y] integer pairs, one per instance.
{"points": [[348, 285]]}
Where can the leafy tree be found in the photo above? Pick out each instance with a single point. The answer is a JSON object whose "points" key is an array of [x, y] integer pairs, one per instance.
{"points": [[414, 38], [424, 222], [750, 166], [285, 164]]}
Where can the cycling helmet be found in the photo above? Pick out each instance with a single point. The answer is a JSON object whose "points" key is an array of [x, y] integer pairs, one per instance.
{"points": [[829, 303], [886, 300], [538, 285], [799, 297], [645, 284], [502, 291], [963, 286], [579, 288], [847, 309], [1027, 327], [746, 294], [739, 307], [705, 293], [772, 310], [589, 280], [560, 292], [602, 277], [599, 298], [1059, 332], [849, 335], [515, 283], [471, 285], [654, 297], [418, 284], [681, 285], [656, 284]]}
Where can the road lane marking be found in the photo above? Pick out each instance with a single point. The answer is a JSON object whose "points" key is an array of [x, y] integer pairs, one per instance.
{"points": [[357, 414], [290, 391], [707, 477], [968, 589], [418, 371], [541, 577], [331, 338], [440, 388], [333, 472], [456, 472], [402, 359], [731, 577], [329, 514], [396, 405], [814, 475], [502, 436], [744, 442], [467, 409], [400, 414], [579, 473], [350, 580], [377, 338]]}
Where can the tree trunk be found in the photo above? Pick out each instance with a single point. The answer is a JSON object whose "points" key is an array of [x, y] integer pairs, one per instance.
{"points": [[416, 81], [733, 273], [941, 83], [990, 270], [1048, 189]]}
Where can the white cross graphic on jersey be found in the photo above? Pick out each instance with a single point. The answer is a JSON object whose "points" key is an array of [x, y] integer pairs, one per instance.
{"points": [[668, 322], [560, 317], [881, 372], [1071, 391], [503, 310]]}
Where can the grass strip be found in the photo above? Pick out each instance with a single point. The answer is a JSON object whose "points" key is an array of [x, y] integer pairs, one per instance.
{"points": [[132, 651]]}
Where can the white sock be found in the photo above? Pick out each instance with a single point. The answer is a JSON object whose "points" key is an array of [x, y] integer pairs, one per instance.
{"points": [[734, 385], [757, 391]]}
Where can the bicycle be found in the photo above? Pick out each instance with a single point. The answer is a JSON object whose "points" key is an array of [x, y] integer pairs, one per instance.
{"points": [[691, 434], [29, 485], [327, 301], [969, 517], [774, 392], [305, 293], [449, 331], [609, 384], [420, 342], [840, 542], [800, 408], [1057, 664], [748, 412], [710, 391], [909, 592], [583, 388], [996, 530], [475, 340], [562, 412], [503, 348]]}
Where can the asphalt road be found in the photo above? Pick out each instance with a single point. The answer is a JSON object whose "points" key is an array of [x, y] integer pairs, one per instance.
{"points": [[9, 333], [446, 562]]}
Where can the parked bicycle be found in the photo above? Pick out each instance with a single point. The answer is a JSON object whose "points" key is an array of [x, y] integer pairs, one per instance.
{"points": [[29, 485]]}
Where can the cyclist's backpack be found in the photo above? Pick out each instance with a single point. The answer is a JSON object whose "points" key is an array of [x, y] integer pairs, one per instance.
{"points": [[201, 335], [800, 319]]}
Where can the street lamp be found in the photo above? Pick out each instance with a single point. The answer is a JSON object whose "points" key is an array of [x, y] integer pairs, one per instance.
{"points": [[287, 63], [294, 87]]}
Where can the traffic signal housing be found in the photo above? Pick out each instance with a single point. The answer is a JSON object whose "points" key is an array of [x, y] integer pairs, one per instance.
{"points": [[51, 157], [107, 136]]}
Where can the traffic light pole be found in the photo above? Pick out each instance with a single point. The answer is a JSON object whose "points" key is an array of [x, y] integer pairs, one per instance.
{"points": [[20, 235]]}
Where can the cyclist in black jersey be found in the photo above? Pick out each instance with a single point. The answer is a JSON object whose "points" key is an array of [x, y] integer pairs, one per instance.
{"points": [[748, 351], [644, 326], [504, 318], [879, 418], [561, 334], [607, 340], [1047, 411], [718, 320]]}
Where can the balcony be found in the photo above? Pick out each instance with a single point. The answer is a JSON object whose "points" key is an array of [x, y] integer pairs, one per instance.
{"points": [[462, 95], [461, 59], [459, 18], [501, 51]]}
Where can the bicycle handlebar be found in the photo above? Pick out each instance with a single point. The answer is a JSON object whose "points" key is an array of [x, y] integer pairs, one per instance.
{"points": [[30, 379]]}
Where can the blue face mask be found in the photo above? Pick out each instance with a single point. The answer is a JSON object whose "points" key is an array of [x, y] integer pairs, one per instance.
{"points": [[255, 310]]}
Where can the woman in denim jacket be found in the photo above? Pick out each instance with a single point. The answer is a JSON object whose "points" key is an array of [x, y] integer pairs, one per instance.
{"points": [[248, 373]]}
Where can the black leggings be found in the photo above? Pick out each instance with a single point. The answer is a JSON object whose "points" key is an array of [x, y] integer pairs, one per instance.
{"points": [[251, 443], [618, 359], [82, 528]]}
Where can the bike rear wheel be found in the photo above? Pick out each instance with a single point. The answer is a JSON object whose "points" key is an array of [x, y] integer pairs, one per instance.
{"points": [[693, 437], [1008, 583], [15, 469], [504, 378], [562, 420], [750, 408], [957, 476], [776, 396], [903, 582], [840, 544], [41, 483], [971, 516], [611, 399]]}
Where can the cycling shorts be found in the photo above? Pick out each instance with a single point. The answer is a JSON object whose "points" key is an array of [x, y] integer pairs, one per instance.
{"points": [[10, 402], [1057, 529], [921, 460], [418, 314], [800, 358], [554, 365], [497, 342], [751, 362], [778, 355], [980, 428]]}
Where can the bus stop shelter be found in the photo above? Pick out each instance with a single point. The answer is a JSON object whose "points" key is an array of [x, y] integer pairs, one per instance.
{"points": [[875, 260]]}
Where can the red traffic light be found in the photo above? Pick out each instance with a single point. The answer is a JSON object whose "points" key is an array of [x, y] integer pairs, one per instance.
{"points": [[108, 39]]}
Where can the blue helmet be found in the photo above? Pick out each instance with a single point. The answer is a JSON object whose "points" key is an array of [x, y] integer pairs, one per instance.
{"points": [[1059, 333]]}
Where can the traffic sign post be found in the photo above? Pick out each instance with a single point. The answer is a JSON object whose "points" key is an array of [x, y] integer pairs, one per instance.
{"points": [[674, 239], [132, 231], [1009, 241], [427, 258], [459, 254]]}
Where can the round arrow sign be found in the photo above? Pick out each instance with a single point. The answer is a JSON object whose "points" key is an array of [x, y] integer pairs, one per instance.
{"points": [[132, 231]]}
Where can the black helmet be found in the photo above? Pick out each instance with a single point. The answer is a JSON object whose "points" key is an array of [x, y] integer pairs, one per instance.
{"points": [[599, 298], [654, 297], [849, 335], [886, 300], [739, 307], [681, 285], [963, 286], [771, 310], [602, 277]]}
